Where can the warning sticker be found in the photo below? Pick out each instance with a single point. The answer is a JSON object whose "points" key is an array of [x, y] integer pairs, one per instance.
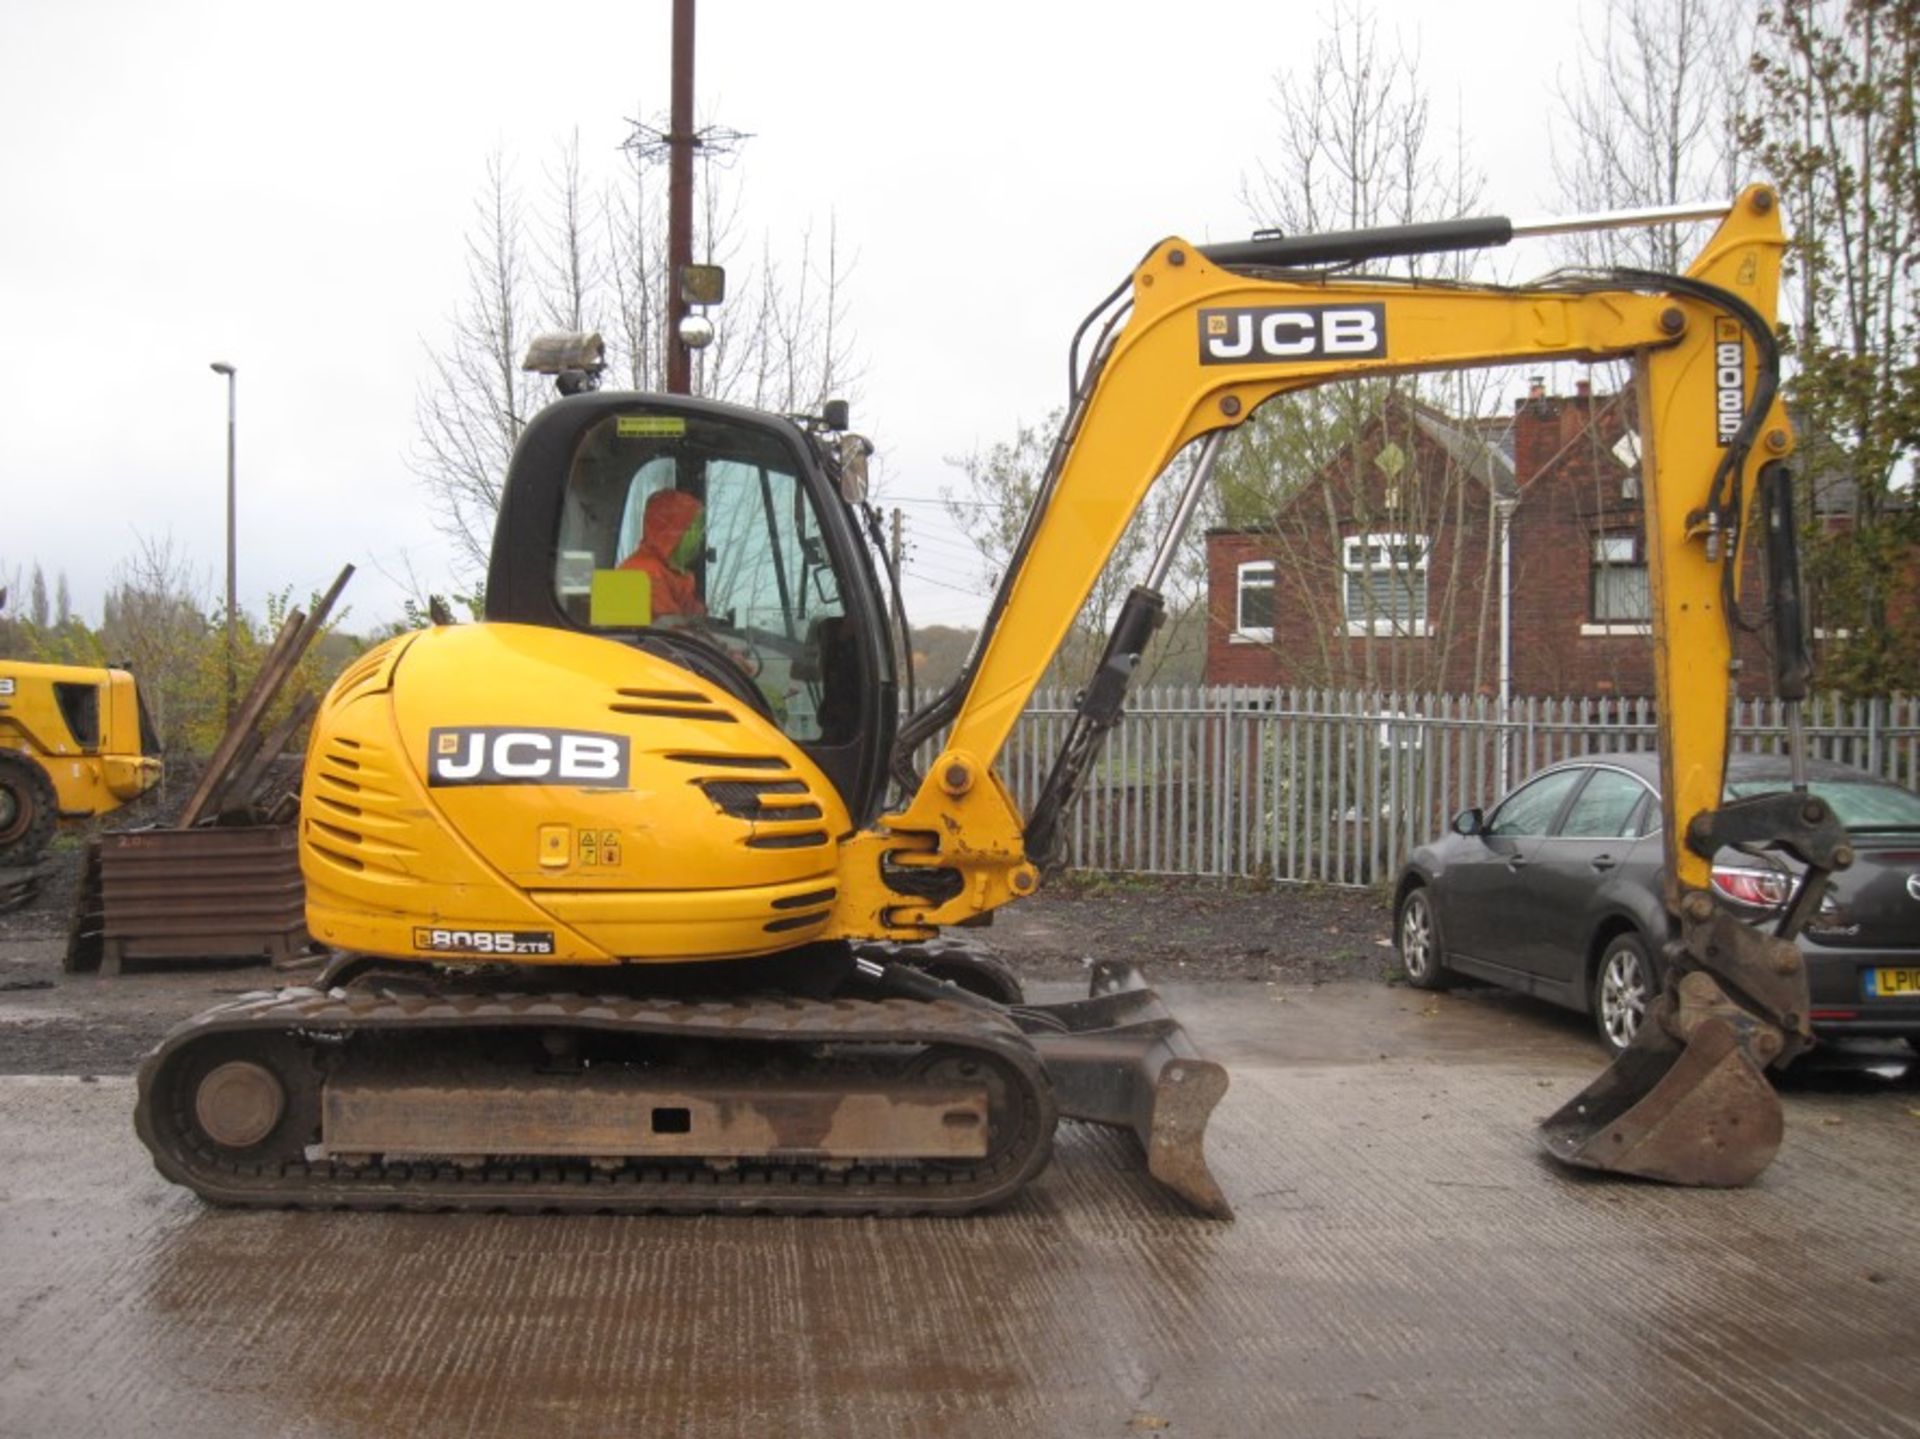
{"points": [[635, 427], [599, 848]]}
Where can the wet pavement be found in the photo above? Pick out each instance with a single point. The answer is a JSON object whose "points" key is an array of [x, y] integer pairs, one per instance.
{"points": [[1403, 1264]]}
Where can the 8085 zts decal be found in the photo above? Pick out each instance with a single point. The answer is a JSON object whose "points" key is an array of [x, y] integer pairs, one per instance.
{"points": [[1729, 379], [507, 754], [1262, 334], [483, 941]]}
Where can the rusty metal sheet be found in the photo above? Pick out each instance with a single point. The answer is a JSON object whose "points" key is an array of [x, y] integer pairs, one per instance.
{"points": [[205, 893], [614, 1116]]}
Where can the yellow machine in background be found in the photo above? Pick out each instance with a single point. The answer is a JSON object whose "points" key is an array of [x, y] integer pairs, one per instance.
{"points": [[641, 900], [74, 742]]}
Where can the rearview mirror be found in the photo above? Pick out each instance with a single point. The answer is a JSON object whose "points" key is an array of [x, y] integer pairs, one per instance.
{"points": [[1469, 821]]}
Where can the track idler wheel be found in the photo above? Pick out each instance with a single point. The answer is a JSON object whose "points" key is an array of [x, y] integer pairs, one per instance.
{"points": [[239, 1103]]}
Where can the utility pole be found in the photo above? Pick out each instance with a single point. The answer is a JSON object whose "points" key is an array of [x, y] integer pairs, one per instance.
{"points": [[221, 367], [680, 143], [896, 550]]}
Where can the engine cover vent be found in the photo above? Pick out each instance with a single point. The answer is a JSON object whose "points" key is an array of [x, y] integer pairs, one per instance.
{"points": [[747, 798]]}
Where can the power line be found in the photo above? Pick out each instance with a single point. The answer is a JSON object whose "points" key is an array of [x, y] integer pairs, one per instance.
{"points": [[958, 547], [957, 504], [927, 579]]}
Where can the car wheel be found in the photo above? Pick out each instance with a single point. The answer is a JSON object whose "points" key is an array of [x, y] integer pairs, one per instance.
{"points": [[1417, 936], [27, 805], [1623, 990]]}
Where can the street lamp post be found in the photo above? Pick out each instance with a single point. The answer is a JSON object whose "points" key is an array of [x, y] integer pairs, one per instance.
{"points": [[220, 367]]}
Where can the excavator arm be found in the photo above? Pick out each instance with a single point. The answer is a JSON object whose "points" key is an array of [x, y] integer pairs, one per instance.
{"points": [[1208, 337]]}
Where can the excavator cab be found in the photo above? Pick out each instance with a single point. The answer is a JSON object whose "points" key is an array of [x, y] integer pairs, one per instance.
{"points": [[716, 537]]}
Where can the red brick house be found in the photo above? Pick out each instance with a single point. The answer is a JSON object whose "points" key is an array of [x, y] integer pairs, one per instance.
{"points": [[1391, 571]]}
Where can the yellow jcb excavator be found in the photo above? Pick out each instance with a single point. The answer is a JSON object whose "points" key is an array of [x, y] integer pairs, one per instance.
{"points": [[626, 922]]}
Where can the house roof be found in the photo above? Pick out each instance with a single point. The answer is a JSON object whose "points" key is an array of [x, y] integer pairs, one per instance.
{"points": [[1480, 451], [1491, 465]]}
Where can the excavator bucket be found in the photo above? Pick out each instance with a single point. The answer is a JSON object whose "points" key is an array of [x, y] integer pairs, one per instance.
{"points": [[1120, 1058], [1698, 1113]]}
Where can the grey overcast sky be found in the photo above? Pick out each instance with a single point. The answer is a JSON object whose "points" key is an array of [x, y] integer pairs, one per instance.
{"points": [[288, 188]]}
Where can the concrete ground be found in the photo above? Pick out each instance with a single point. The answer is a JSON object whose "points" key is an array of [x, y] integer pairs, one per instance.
{"points": [[1403, 1264]]}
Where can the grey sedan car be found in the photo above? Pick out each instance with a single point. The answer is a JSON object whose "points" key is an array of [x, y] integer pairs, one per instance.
{"points": [[1557, 893]]}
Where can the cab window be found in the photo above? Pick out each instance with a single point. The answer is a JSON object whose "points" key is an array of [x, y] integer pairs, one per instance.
{"points": [[677, 521]]}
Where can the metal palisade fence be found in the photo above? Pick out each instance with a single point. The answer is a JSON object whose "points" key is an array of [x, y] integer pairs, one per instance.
{"points": [[1338, 787]]}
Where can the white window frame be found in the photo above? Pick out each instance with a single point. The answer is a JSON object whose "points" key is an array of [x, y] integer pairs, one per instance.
{"points": [[1599, 559], [1251, 634], [1353, 549]]}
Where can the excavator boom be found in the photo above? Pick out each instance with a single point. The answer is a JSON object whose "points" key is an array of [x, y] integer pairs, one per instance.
{"points": [[1212, 333]]}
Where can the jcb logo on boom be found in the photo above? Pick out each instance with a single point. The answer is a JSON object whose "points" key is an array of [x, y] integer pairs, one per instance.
{"points": [[1297, 332], [1729, 379], [501, 754]]}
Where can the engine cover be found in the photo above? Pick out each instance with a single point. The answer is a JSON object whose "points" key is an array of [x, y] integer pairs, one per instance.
{"points": [[512, 791]]}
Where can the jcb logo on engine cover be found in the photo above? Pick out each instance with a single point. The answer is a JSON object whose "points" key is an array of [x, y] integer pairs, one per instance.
{"points": [[1263, 334], [1729, 379], [501, 754]]}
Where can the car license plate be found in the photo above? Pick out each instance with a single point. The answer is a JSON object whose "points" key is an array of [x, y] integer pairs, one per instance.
{"points": [[1893, 984]]}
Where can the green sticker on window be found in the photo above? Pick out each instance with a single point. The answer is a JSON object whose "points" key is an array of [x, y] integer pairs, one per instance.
{"points": [[621, 599], [630, 427]]}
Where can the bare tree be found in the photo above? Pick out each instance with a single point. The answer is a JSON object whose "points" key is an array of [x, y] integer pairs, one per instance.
{"points": [[593, 258], [1648, 118], [991, 510], [156, 622], [571, 264], [636, 229], [1358, 146], [476, 400], [787, 351]]}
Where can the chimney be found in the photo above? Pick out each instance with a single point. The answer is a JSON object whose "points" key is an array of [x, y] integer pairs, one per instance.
{"points": [[1536, 431], [1583, 388]]}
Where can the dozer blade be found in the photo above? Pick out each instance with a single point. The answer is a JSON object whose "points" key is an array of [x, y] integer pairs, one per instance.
{"points": [[1120, 1058], [1698, 1113]]}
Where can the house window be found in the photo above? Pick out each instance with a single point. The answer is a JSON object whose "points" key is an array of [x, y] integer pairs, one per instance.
{"points": [[1385, 580], [1253, 615], [1620, 593]]}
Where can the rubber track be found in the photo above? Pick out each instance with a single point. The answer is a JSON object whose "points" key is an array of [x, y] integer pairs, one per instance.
{"points": [[321, 1021]]}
